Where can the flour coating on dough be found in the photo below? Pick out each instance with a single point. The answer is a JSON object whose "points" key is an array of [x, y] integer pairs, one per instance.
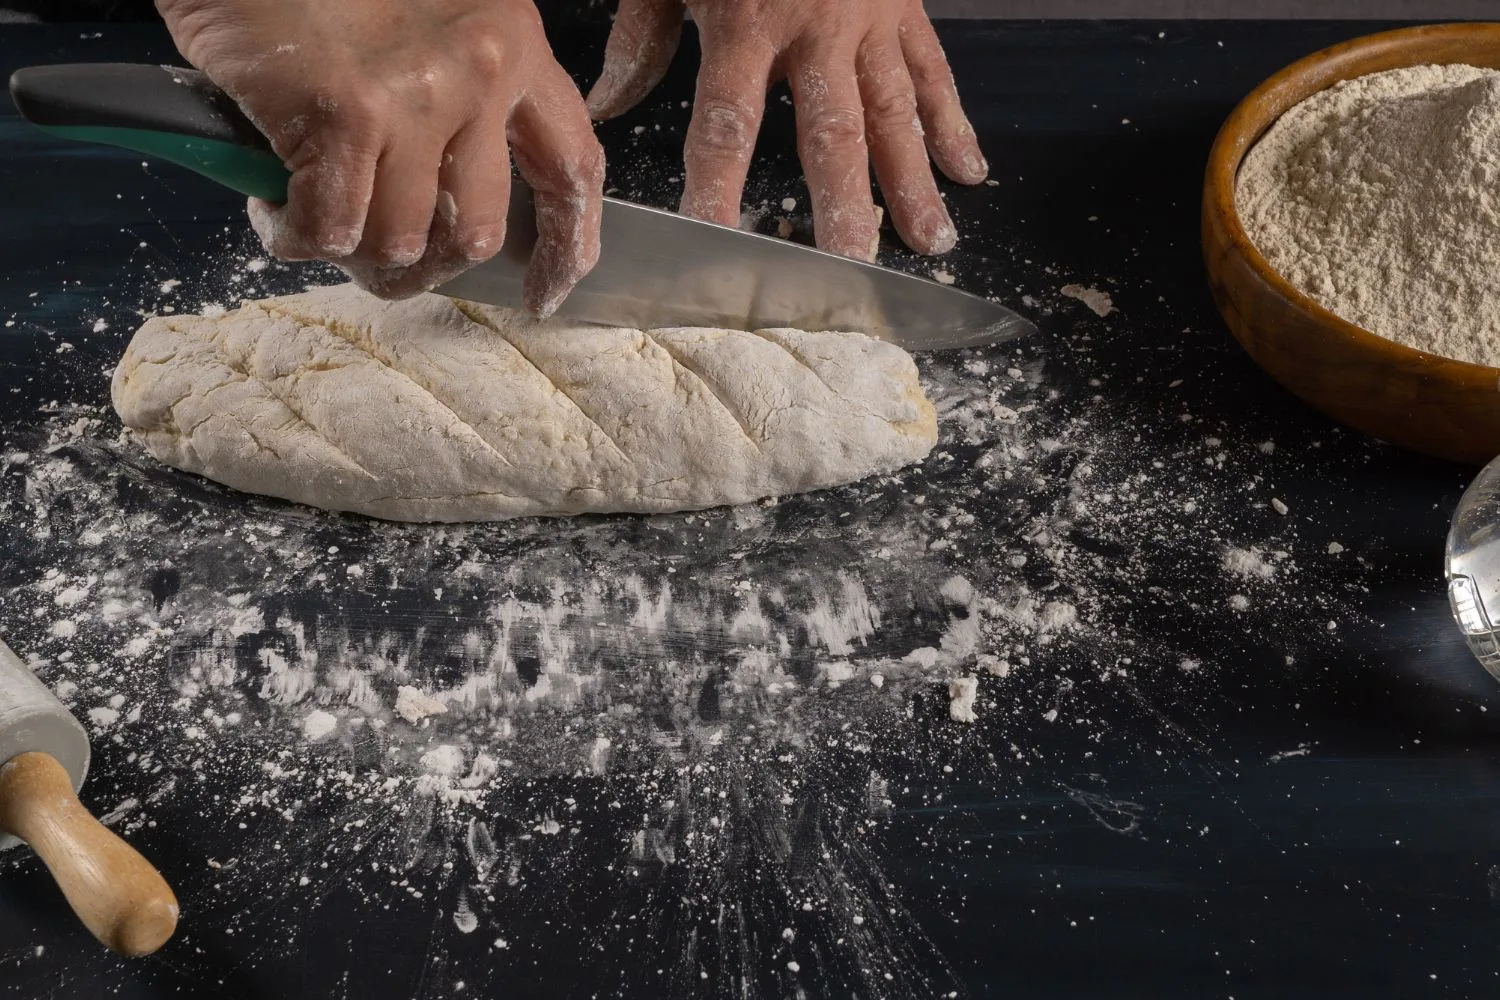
{"points": [[431, 409]]}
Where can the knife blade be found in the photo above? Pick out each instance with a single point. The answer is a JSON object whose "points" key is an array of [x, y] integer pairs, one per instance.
{"points": [[656, 268]]}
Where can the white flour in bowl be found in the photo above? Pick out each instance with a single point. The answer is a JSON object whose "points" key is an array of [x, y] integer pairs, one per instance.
{"points": [[1377, 197]]}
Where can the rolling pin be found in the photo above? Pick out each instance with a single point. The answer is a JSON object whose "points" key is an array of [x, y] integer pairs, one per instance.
{"points": [[44, 756]]}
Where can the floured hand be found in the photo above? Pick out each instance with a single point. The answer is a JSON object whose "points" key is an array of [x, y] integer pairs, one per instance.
{"points": [[869, 80], [396, 118]]}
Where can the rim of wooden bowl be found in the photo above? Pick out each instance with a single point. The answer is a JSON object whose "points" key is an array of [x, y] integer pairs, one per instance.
{"points": [[1436, 44]]}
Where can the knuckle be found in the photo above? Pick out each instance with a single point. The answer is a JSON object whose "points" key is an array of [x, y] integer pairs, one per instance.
{"points": [[355, 112], [327, 224], [930, 73], [832, 129], [588, 167], [488, 55], [891, 109], [574, 167], [724, 124]]}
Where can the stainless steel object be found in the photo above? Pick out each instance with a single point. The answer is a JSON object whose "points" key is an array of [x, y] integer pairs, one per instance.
{"points": [[656, 269], [1473, 567], [662, 269]]}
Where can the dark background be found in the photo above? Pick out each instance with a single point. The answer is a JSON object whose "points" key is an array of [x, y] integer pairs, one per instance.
{"points": [[1366, 865]]}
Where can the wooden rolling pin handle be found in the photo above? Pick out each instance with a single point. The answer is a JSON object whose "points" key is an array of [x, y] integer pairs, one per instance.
{"points": [[117, 894]]}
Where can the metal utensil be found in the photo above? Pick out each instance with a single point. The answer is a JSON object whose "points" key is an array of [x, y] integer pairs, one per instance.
{"points": [[657, 268], [1473, 567]]}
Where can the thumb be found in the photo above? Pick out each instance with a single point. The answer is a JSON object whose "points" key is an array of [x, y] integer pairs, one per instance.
{"points": [[640, 48]]}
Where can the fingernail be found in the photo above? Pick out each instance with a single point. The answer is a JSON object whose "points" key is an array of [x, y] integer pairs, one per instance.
{"points": [[539, 296], [602, 93], [479, 250], [547, 307], [402, 254], [975, 166], [339, 243], [857, 251], [944, 237]]}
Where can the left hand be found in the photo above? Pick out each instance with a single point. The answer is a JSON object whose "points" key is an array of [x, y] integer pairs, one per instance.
{"points": [[869, 81]]}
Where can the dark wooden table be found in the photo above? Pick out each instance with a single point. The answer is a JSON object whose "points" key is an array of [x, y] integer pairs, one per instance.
{"points": [[1317, 815]]}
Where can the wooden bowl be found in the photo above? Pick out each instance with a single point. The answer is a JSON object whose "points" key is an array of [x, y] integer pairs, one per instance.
{"points": [[1437, 406]]}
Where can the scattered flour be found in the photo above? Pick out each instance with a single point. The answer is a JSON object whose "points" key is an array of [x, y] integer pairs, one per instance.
{"points": [[628, 697], [444, 761], [103, 717], [962, 692], [414, 706], [1248, 563], [71, 596], [319, 725]]}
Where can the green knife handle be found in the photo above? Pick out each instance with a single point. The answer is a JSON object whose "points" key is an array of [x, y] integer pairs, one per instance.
{"points": [[161, 111]]}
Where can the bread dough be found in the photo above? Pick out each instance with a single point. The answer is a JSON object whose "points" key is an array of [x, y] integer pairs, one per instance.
{"points": [[432, 409]]}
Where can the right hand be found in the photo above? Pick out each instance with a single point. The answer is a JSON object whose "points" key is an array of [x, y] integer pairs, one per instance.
{"points": [[394, 117]]}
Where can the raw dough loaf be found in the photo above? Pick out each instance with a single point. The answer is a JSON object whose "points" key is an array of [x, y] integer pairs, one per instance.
{"points": [[433, 409]]}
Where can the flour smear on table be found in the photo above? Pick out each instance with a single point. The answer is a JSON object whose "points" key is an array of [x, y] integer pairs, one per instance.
{"points": [[1380, 199], [691, 727]]}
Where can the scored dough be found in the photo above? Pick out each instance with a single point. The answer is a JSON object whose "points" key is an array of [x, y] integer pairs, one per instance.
{"points": [[432, 409]]}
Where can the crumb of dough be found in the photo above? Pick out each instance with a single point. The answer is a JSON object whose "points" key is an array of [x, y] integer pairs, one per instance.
{"points": [[414, 706], [1100, 302], [961, 694]]}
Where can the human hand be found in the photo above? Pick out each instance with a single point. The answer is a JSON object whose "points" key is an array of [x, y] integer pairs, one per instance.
{"points": [[394, 117], [869, 80]]}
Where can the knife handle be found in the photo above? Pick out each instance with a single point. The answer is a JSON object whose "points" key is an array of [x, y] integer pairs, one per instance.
{"points": [[162, 111]]}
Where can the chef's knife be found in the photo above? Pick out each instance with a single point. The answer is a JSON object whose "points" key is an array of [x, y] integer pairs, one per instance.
{"points": [[656, 269]]}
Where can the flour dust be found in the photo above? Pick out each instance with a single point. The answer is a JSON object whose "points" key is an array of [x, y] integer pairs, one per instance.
{"points": [[713, 732], [499, 718]]}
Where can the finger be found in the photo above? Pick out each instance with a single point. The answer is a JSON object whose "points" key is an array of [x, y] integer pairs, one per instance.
{"points": [[835, 158], [468, 225], [727, 110], [473, 192], [641, 45], [327, 202], [895, 138], [556, 151], [435, 268], [950, 137], [403, 202]]}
